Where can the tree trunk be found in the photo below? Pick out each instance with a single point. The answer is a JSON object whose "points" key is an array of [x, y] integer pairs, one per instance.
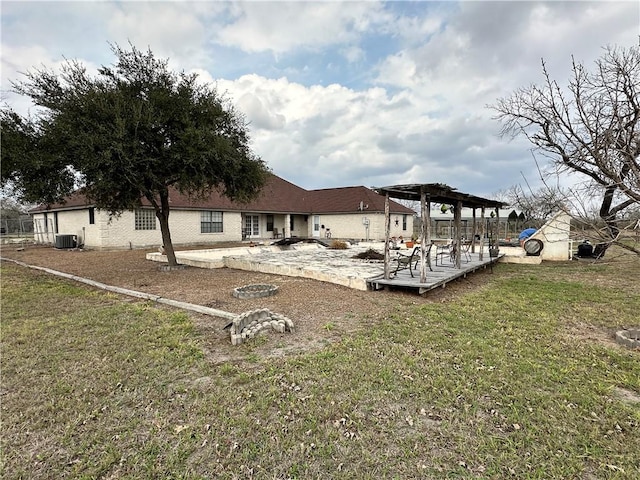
{"points": [[610, 221], [163, 216]]}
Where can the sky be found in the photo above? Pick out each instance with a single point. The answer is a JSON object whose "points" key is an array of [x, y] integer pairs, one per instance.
{"points": [[344, 93]]}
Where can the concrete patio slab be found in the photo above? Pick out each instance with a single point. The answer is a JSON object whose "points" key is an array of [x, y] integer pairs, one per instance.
{"points": [[307, 260]]}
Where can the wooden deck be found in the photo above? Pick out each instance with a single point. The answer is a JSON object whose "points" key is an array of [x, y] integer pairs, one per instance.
{"points": [[439, 277]]}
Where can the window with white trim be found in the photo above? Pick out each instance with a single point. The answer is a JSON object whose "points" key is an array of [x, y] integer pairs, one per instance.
{"points": [[145, 219], [211, 222]]}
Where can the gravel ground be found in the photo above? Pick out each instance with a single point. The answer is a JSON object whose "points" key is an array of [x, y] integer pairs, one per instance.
{"points": [[321, 312]]}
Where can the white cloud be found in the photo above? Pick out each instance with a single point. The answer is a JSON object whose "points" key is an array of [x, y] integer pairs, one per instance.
{"points": [[283, 26], [360, 93], [260, 113], [20, 60], [353, 54], [172, 30], [333, 136]]}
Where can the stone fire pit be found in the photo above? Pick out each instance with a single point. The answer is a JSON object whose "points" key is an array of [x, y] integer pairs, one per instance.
{"points": [[255, 291], [249, 324]]}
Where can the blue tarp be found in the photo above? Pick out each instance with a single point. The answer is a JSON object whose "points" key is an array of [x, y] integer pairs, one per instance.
{"points": [[526, 233]]}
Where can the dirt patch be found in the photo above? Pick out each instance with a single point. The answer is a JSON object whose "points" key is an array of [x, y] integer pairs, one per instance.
{"points": [[583, 332], [322, 312], [369, 254], [626, 396]]}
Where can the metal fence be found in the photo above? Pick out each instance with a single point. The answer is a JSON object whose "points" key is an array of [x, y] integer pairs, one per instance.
{"points": [[16, 229]]}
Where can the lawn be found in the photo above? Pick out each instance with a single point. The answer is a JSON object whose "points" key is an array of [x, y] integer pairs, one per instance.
{"points": [[516, 379]]}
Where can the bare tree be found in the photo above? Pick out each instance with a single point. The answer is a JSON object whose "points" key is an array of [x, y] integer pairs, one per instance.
{"points": [[412, 204], [591, 128], [537, 206]]}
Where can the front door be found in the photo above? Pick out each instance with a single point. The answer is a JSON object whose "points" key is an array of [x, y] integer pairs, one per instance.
{"points": [[252, 226], [316, 225]]}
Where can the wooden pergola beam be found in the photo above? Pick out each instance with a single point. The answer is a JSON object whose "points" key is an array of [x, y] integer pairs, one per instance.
{"points": [[438, 193]]}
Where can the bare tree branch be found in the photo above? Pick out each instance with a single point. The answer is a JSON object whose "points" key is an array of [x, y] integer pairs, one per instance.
{"points": [[591, 127]]}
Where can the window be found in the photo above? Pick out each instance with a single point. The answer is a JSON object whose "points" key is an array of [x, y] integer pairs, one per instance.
{"points": [[211, 222], [55, 221], [92, 215], [145, 220], [269, 223], [291, 225], [404, 222]]}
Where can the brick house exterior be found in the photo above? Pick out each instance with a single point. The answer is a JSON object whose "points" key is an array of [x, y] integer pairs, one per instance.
{"points": [[282, 209]]}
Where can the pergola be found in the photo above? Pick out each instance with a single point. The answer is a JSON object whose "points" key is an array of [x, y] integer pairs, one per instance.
{"points": [[427, 193]]}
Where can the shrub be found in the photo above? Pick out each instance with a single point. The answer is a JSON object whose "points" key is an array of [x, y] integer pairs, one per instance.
{"points": [[338, 245]]}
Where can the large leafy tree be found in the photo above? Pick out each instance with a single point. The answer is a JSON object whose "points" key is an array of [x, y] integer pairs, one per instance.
{"points": [[27, 175], [590, 128], [130, 132]]}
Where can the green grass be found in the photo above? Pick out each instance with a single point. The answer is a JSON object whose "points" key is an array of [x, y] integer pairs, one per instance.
{"points": [[492, 384]]}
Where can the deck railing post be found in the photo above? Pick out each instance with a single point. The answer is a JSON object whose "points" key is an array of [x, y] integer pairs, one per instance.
{"points": [[425, 233], [474, 232], [387, 231], [482, 225], [457, 219], [497, 240]]}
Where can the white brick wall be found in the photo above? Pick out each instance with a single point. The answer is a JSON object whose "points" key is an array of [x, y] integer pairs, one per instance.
{"points": [[184, 227], [352, 226], [43, 230], [555, 236], [302, 226], [119, 232]]}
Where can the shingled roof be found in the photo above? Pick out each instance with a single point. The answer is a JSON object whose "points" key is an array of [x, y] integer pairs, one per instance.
{"points": [[277, 196], [351, 199]]}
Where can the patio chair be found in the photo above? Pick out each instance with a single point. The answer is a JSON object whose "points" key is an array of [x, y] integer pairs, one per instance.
{"points": [[442, 251], [405, 261], [427, 256], [449, 250], [465, 249]]}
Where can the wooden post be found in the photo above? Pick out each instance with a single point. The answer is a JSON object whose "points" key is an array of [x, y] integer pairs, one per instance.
{"points": [[457, 241], [474, 231], [429, 219], [387, 231], [424, 234], [482, 225], [497, 240]]}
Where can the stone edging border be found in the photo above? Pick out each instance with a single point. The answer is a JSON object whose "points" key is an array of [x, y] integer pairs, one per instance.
{"points": [[629, 338], [131, 293], [244, 326]]}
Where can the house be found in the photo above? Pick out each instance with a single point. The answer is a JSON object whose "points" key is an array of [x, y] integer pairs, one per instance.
{"points": [[282, 209]]}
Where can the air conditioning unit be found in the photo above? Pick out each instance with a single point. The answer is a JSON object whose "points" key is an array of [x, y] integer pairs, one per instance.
{"points": [[66, 241]]}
